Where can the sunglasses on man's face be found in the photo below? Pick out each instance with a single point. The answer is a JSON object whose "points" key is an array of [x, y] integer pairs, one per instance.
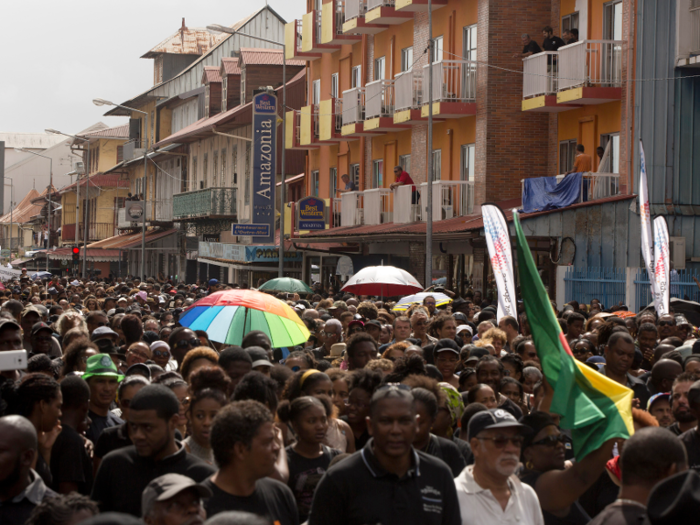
{"points": [[187, 342]]}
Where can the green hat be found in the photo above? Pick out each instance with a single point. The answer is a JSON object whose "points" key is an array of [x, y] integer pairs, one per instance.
{"points": [[101, 365]]}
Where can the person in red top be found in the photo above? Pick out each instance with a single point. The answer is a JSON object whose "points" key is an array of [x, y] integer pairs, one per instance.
{"points": [[402, 177]]}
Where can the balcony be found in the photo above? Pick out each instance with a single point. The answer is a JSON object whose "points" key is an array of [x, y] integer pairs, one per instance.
{"points": [[332, 18], [293, 131], [450, 199], [417, 6], [378, 206], [379, 107], [308, 126], [408, 96], [330, 120], [96, 231], [125, 222], [211, 203], [594, 186], [300, 36], [13, 243], [355, 21], [590, 72], [350, 208], [134, 149], [384, 12], [540, 83], [353, 113], [454, 89]]}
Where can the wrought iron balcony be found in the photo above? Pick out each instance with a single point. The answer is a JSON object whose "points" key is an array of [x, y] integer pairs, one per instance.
{"points": [[211, 203]]}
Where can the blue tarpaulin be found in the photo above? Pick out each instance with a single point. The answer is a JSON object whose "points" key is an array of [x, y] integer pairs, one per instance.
{"points": [[543, 193]]}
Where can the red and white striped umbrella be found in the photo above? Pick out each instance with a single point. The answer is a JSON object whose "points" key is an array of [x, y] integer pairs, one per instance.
{"points": [[385, 281]]}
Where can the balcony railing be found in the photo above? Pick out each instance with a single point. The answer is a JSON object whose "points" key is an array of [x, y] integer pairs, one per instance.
{"points": [[540, 74], [354, 9], [371, 4], [352, 208], [379, 99], [407, 89], [317, 25], [593, 186], [453, 81], [200, 204], [353, 105], [596, 63], [97, 231], [298, 34], [378, 206], [338, 114], [13, 243], [134, 149], [339, 16], [695, 21]]}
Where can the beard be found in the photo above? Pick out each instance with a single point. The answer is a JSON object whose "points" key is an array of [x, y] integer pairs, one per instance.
{"points": [[684, 417], [12, 478], [506, 464]]}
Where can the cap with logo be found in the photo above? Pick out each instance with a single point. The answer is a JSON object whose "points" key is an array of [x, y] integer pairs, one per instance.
{"points": [[167, 486], [101, 365], [446, 345], [494, 418], [658, 397], [38, 327]]}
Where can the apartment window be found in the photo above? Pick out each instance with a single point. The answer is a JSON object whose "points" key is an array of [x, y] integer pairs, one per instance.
{"points": [[205, 175], [437, 49], [469, 70], [406, 58], [246, 187], [405, 163], [355, 174], [333, 173], [612, 20], [377, 174], [567, 155], [316, 91], [569, 22], [379, 68], [437, 165], [314, 183], [223, 169], [120, 154], [466, 173], [610, 162], [215, 171], [194, 169], [334, 85], [356, 79], [234, 164]]}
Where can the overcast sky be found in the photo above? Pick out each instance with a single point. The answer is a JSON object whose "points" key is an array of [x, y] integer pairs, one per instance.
{"points": [[58, 56]]}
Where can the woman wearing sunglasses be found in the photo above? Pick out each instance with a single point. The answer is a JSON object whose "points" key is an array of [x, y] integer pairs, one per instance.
{"points": [[558, 489]]}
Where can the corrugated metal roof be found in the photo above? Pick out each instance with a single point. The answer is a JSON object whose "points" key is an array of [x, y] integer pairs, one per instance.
{"points": [[186, 41], [25, 210], [30, 140], [271, 57], [231, 66], [97, 255], [130, 240], [211, 74], [117, 132], [101, 180]]}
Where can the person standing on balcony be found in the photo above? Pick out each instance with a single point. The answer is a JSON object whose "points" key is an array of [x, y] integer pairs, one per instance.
{"points": [[583, 162], [551, 42], [530, 47], [402, 177], [349, 184]]}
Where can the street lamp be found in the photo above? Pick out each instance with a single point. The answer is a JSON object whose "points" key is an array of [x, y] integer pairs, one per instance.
{"points": [[77, 195], [103, 102], [50, 191], [224, 29]]}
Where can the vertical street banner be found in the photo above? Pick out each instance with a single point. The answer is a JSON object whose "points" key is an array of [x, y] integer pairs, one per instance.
{"points": [[662, 266], [645, 219], [264, 167], [501, 256]]}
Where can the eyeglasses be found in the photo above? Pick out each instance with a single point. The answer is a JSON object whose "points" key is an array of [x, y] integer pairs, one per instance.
{"points": [[161, 353], [185, 402], [667, 323], [551, 441], [186, 343], [329, 334], [502, 441]]}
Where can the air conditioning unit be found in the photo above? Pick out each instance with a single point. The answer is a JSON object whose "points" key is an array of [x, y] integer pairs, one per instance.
{"points": [[80, 168], [360, 216], [447, 212]]}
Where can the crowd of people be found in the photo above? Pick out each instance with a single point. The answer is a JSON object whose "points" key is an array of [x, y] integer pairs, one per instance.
{"points": [[434, 414]]}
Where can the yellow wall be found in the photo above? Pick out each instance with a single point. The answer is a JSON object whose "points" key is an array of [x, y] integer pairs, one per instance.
{"points": [[588, 123], [449, 136], [567, 7], [108, 153], [150, 109]]}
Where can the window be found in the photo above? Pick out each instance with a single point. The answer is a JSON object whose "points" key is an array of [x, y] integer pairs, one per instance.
{"points": [[355, 174], [248, 159], [356, 79], [334, 85], [467, 162], [314, 183], [205, 167], [437, 165], [567, 155], [316, 92], [469, 70], [222, 179], [333, 173], [405, 163], [120, 154], [215, 171], [437, 49], [406, 58], [569, 22], [379, 67], [377, 174], [612, 20], [611, 163], [234, 164]]}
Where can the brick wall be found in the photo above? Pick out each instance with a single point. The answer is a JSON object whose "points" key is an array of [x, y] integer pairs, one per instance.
{"points": [[419, 133], [416, 260], [510, 145]]}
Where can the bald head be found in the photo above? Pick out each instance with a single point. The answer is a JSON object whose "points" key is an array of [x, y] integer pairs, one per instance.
{"points": [[662, 349], [663, 373], [18, 431], [310, 314]]}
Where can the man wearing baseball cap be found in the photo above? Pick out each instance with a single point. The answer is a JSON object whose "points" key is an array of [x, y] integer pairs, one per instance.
{"points": [[103, 377], [659, 406], [213, 286], [488, 491], [173, 499]]}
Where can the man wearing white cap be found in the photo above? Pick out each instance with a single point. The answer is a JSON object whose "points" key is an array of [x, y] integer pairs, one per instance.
{"points": [[174, 499]]}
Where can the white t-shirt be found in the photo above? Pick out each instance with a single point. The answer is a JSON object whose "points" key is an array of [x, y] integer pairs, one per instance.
{"points": [[478, 506]]}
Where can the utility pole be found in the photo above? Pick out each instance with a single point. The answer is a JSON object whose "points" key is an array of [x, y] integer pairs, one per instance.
{"points": [[429, 221]]}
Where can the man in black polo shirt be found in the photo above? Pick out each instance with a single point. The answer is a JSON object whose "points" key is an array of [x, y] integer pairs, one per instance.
{"points": [[124, 473], [245, 448], [551, 42], [530, 47], [388, 481]]}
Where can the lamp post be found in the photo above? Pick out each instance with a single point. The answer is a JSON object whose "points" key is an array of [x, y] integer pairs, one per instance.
{"points": [[12, 198], [429, 221], [77, 195], [103, 102], [283, 188], [49, 192]]}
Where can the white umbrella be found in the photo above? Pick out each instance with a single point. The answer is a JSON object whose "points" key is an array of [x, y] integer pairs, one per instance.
{"points": [[386, 281], [406, 302]]}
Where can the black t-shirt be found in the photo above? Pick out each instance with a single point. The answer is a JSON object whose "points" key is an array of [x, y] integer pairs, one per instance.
{"points": [[99, 423], [70, 461], [123, 475], [112, 438], [619, 513], [552, 44], [675, 428], [271, 499], [43, 470], [447, 451], [464, 449], [602, 493], [691, 440], [304, 475], [576, 516], [359, 441], [532, 47]]}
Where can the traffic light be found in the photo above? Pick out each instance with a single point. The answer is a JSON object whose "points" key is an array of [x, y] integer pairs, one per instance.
{"points": [[76, 254]]}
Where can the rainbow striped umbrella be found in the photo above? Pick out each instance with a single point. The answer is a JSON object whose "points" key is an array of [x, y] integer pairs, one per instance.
{"points": [[229, 315]]}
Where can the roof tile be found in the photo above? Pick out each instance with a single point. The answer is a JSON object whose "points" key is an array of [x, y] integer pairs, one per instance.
{"points": [[231, 65], [272, 57], [211, 74]]}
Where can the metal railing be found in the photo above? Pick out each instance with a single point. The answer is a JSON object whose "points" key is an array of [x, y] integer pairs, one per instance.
{"points": [[339, 16], [221, 202], [353, 105], [97, 231], [315, 119], [298, 28], [407, 89], [405, 210], [336, 212], [695, 25], [338, 114], [378, 203], [605, 284], [352, 209], [681, 286], [451, 198], [317, 26], [354, 9], [594, 186], [453, 81], [540, 74], [371, 4], [590, 63], [11, 243], [133, 149], [379, 99]]}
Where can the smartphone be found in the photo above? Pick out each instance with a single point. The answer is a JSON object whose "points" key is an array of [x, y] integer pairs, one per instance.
{"points": [[13, 360]]}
